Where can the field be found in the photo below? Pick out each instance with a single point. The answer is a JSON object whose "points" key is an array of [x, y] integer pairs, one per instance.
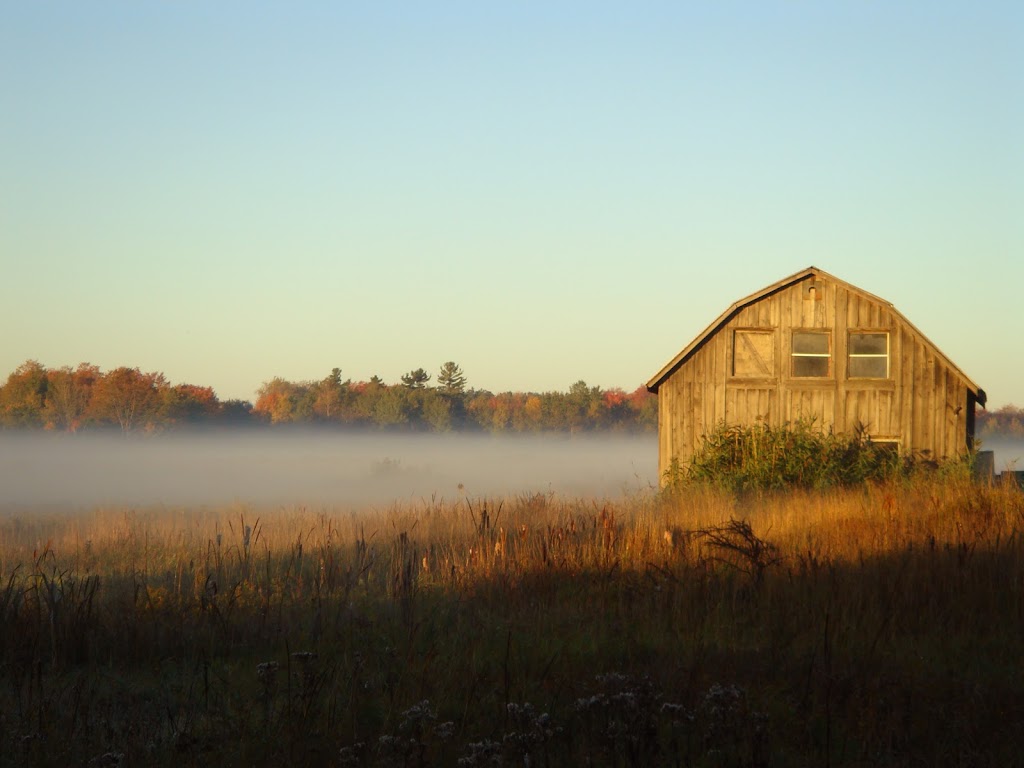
{"points": [[875, 626]]}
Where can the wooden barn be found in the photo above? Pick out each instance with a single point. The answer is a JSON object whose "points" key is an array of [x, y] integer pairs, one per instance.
{"points": [[813, 347]]}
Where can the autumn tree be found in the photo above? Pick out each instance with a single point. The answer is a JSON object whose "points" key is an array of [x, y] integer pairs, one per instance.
{"points": [[276, 400], [393, 407], [188, 403], [127, 397], [23, 396], [533, 413], [513, 408], [644, 408], [1007, 420], [235, 412], [67, 399], [331, 395], [68, 392], [480, 409], [365, 395], [436, 410], [577, 405]]}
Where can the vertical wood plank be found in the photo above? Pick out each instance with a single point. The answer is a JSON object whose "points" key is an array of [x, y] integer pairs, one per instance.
{"points": [[926, 405], [905, 381], [839, 336]]}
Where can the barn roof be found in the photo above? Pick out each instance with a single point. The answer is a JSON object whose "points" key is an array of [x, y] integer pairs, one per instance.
{"points": [[722, 319]]}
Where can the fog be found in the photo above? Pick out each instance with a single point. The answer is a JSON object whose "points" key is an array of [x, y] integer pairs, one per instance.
{"points": [[266, 468], [1009, 452], [329, 468]]}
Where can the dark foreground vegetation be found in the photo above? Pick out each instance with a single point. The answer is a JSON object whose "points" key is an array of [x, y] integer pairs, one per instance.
{"points": [[874, 625]]}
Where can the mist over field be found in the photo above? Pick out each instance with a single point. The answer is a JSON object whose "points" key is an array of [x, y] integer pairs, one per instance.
{"points": [[263, 468], [1009, 451]]}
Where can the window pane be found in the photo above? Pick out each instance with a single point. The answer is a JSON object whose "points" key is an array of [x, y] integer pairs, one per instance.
{"points": [[753, 354], [810, 343], [810, 366], [869, 367], [869, 343], [886, 444]]}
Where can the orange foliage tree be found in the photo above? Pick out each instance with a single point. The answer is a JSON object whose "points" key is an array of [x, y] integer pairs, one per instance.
{"points": [[189, 404], [23, 396], [128, 397], [276, 400], [67, 399], [68, 392]]}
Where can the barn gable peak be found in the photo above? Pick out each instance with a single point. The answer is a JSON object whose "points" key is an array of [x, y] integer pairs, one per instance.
{"points": [[810, 272]]}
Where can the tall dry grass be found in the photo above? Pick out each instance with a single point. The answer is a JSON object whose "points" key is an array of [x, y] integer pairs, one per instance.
{"points": [[879, 625]]}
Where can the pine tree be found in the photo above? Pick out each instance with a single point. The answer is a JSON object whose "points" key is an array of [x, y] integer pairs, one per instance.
{"points": [[451, 380], [416, 379]]}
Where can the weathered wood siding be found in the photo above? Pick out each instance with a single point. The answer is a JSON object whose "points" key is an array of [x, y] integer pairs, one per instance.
{"points": [[923, 404]]}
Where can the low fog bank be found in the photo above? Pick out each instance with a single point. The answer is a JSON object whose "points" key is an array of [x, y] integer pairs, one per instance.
{"points": [[312, 468], [1009, 452]]}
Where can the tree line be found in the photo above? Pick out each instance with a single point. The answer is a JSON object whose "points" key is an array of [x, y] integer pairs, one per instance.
{"points": [[1007, 420], [69, 399], [130, 400]]}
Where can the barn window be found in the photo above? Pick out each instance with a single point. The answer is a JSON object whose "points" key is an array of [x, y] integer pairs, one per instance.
{"points": [[869, 355], [888, 444], [753, 354], [812, 354]]}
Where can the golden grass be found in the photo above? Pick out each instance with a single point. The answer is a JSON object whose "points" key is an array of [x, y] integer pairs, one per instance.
{"points": [[700, 628]]}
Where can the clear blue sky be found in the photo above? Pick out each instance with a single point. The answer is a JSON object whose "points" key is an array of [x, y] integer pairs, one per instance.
{"points": [[542, 192]]}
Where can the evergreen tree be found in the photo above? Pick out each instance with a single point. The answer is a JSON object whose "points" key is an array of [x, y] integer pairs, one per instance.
{"points": [[451, 380], [416, 379]]}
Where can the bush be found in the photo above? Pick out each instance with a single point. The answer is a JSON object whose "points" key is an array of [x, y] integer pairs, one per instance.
{"points": [[762, 457]]}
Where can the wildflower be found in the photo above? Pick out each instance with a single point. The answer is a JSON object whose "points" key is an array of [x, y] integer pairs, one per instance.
{"points": [[445, 730], [481, 753], [351, 755], [107, 760], [267, 672], [675, 710], [416, 714]]}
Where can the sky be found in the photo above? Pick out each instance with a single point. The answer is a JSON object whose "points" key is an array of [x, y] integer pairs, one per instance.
{"points": [[542, 192]]}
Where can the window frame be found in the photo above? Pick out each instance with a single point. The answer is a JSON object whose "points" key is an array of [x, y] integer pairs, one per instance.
{"points": [[771, 363], [851, 355], [894, 444], [828, 356]]}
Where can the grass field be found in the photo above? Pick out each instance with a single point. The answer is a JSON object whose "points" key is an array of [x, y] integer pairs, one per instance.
{"points": [[876, 626]]}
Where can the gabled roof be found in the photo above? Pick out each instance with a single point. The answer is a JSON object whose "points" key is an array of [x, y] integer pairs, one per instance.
{"points": [[803, 274]]}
